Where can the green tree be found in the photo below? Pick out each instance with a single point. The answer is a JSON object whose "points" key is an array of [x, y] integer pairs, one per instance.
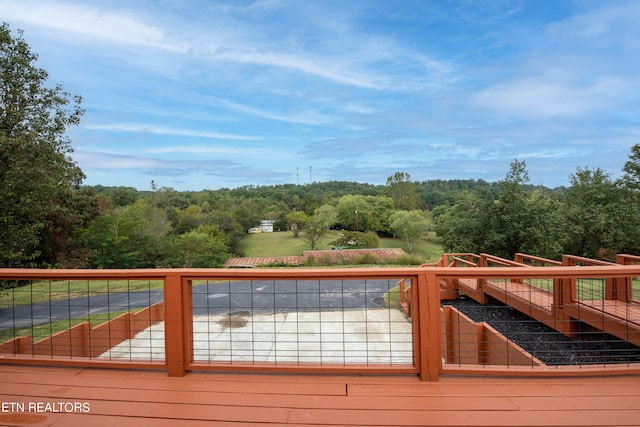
{"points": [[352, 211], [510, 219], [546, 230], [626, 229], [314, 231], [326, 216], [357, 240], [462, 226], [378, 216], [40, 207], [230, 227], [403, 192], [203, 247], [298, 221], [503, 222], [187, 219], [116, 241], [632, 168], [591, 208], [410, 225], [368, 213], [133, 236]]}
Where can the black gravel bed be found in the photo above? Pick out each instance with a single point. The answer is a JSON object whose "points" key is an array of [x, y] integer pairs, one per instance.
{"points": [[546, 344]]}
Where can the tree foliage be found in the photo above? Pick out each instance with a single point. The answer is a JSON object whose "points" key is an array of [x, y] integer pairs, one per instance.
{"points": [[357, 240], [507, 220], [41, 207], [314, 231], [595, 217], [298, 221], [203, 247], [403, 192], [410, 225], [326, 216], [365, 213], [590, 201], [632, 169]]}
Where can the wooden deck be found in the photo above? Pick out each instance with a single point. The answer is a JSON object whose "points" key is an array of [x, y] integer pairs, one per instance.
{"points": [[141, 398]]}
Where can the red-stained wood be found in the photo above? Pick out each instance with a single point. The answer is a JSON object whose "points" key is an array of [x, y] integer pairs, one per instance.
{"points": [[148, 398]]}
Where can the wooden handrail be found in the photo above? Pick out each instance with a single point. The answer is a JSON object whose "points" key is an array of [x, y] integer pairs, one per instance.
{"points": [[627, 259], [575, 259], [521, 258], [485, 258]]}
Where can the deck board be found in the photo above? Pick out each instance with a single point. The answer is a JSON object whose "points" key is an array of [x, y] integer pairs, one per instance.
{"points": [[141, 398]]}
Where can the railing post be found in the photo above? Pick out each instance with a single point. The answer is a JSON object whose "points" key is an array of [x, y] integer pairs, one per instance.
{"points": [[430, 327], [174, 328], [623, 285]]}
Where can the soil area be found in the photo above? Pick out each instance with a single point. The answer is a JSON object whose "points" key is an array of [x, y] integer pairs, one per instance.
{"points": [[546, 344]]}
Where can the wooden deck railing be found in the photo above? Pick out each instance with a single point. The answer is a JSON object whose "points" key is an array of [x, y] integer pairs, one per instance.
{"points": [[420, 287], [598, 298]]}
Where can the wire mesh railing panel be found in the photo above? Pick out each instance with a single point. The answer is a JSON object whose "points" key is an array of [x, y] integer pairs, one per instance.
{"points": [[539, 283], [317, 322], [80, 318], [635, 289], [590, 289]]}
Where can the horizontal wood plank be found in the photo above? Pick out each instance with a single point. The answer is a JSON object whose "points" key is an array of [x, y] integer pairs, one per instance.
{"points": [[149, 398]]}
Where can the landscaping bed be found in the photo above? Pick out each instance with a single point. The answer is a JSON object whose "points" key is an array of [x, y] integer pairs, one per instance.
{"points": [[551, 347]]}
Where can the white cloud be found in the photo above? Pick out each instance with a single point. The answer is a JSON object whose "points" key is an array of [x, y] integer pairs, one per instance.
{"points": [[350, 57], [89, 21], [319, 67], [304, 117], [613, 24], [161, 130], [542, 97], [112, 161], [242, 152]]}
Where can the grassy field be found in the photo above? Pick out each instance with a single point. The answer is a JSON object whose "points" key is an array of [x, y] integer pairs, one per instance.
{"points": [[429, 248], [281, 244], [284, 244], [46, 330]]}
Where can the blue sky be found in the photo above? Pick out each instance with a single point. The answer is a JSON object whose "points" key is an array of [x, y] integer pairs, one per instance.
{"points": [[205, 94]]}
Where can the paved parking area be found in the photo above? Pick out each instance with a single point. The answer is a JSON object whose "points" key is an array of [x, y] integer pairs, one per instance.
{"points": [[380, 336]]}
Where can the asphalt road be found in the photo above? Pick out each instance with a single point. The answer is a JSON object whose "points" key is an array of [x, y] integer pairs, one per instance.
{"points": [[255, 297], [21, 316]]}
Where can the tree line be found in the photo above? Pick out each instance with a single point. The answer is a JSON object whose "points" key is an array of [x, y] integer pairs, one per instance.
{"points": [[596, 216]]}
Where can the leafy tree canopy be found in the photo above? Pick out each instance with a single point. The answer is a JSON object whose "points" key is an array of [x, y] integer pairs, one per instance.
{"points": [[40, 207], [410, 225], [403, 192]]}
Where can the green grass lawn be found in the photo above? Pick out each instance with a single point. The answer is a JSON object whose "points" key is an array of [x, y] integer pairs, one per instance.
{"points": [[284, 244], [429, 248], [281, 243], [46, 330]]}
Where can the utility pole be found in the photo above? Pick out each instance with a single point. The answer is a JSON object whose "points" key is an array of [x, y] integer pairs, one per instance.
{"points": [[310, 175]]}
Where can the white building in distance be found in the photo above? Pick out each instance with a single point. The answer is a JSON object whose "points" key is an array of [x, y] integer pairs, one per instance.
{"points": [[266, 226]]}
